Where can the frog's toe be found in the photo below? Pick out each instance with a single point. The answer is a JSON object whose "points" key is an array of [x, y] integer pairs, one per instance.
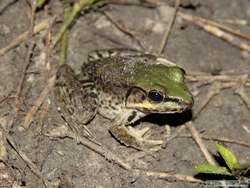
{"points": [[139, 134], [132, 137]]}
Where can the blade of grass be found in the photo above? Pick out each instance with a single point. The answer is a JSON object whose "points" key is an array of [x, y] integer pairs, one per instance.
{"points": [[40, 3], [64, 40], [228, 156], [78, 6], [211, 169]]}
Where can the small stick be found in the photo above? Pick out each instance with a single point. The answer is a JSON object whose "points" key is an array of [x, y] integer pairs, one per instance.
{"points": [[27, 161], [221, 78], [216, 31], [38, 102], [216, 24], [181, 177], [241, 92], [21, 38], [48, 47], [32, 111], [122, 29], [146, 4], [5, 98], [168, 30], [221, 139], [107, 154], [195, 134], [213, 90], [112, 39], [31, 45], [7, 5], [241, 22]]}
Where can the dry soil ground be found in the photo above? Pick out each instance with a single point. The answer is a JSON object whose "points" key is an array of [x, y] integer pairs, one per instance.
{"points": [[68, 164]]}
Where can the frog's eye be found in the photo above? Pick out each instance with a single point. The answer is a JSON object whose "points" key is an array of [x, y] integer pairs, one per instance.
{"points": [[155, 96]]}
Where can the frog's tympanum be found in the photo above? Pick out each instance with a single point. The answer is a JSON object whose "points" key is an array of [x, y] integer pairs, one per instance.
{"points": [[123, 86]]}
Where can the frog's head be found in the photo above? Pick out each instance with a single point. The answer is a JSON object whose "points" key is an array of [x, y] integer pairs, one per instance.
{"points": [[159, 88]]}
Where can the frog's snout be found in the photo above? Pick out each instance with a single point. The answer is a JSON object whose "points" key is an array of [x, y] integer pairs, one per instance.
{"points": [[187, 105]]}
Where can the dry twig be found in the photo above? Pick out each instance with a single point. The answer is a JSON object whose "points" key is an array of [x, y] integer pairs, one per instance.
{"points": [[23, 37], [123, 29], [214, 89], [207, 78], [221, 139], [241, 92], [200, 143], [64, 131], [214, 29], [219, 83], [32, 111], [168, 31], [26, 159], [110, 156], [31, 45], [165, 175], [218, 25]]}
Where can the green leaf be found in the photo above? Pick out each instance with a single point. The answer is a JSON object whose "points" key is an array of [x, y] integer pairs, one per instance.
{"points": [[211, 169], [228, 156], [40, 3]]}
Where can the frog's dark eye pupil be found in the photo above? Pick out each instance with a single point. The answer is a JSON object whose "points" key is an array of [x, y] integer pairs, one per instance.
{"points": [[155, 96]]}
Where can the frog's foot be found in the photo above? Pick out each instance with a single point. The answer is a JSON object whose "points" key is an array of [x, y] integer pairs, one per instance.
{"points": [[133, 137]]}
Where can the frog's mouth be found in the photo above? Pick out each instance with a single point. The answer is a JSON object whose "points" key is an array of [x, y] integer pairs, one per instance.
{"points": [[166, 107], [179, 109]]}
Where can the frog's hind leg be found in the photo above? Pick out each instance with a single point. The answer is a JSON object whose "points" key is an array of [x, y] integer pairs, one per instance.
{"points": [[130, 136], [75, 100]]}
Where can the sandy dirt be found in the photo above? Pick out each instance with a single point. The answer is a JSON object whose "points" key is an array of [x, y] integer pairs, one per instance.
{"points": [[65, 163]]}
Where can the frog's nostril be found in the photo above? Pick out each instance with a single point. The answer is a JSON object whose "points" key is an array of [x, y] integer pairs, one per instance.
{"points": [[188, 106]]}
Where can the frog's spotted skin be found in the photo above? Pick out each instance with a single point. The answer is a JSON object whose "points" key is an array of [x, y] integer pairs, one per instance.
{"points": [[75, 100], [128, 85]]}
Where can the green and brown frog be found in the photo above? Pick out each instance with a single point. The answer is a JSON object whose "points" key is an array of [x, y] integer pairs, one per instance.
{"points": [[123, 86]]}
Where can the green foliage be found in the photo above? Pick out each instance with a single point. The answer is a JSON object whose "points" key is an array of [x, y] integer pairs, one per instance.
{"points": [[70, 13], [76, 9], [40, 3], [228, 156], [233, 168], [211, 169]]}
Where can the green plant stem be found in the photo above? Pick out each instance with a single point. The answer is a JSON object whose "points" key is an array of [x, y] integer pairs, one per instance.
{"points": [[64, 40], [78, 6], [40, 3]]}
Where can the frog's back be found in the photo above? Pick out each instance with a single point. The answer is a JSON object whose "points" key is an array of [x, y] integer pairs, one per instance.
{"points": [[115, 68], [110, 75], [115, 75]]}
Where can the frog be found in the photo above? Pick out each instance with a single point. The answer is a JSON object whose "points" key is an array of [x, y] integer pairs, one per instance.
{"points": [[123, 86]]}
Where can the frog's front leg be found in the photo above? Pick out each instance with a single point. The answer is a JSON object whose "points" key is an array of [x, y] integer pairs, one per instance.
{"points": [[128, 135]]}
